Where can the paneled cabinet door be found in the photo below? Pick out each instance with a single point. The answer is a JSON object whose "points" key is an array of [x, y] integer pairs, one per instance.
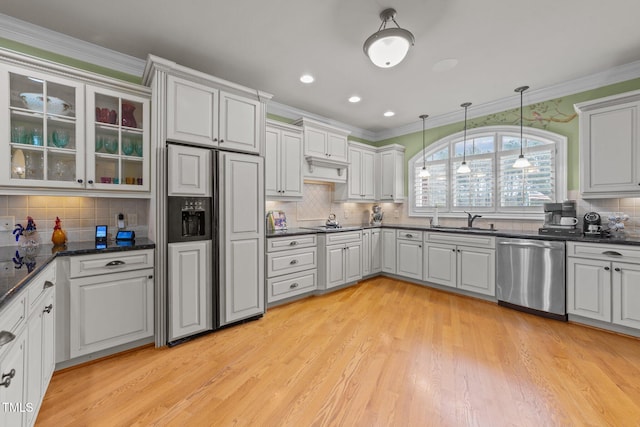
{"points": [[388, 250], [409, 259], [476, 270], [283, 163], [192, 112], [190, 299], [337, 146], [626, 294], [241, 189], [240, 121], [13, 365], [43, 144], [353, 262], [335, 256], [440, 264], [376, 251], [366, 252], [589, 288], [189, 172], [361, 174]]}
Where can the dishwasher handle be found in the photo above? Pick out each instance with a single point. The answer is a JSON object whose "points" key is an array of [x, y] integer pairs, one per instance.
{"points": [[527, 244]]}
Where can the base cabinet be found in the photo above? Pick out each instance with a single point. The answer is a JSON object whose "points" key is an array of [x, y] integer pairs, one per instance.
{"points": [[589, 288], [292, 266], [14, 377], [376, 251], [626, 295], [409, 254], [388, 237], [190, 299], [340, 260]]}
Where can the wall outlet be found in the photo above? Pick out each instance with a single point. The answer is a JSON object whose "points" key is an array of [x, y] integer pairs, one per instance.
{"points": [[132, 220], [7, 223]]}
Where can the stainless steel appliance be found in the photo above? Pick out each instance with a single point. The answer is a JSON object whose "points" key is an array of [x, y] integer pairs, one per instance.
{"points": [[560, 219], [530, 276]]}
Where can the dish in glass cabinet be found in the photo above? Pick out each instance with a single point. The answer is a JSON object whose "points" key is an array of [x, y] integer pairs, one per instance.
{"points": [[35, 102], [110, 145]]}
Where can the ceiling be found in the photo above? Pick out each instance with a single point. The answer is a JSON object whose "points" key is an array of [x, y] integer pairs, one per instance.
{"points": [[268, 45]]}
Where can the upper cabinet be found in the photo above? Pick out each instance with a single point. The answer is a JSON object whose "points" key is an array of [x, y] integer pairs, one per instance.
{"points": [[64, 132], [610, 146], [325, 151], [390, 174], [283, 161], [204, 110], [361, 175]]}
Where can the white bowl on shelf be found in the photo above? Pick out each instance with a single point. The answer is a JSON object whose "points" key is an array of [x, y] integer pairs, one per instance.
{"points": [[35, 102]]}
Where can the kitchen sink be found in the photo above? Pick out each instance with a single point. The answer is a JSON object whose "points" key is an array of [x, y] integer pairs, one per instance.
{"points": [[468, 229], [329, 228]]}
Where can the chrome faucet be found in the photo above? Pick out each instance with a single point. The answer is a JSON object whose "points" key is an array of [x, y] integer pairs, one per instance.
{"points": [[470, 219]]}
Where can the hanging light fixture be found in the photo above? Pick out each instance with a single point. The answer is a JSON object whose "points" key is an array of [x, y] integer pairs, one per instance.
{"points": [[464, 167], [424, 173], [387, 47], [521, 161]]}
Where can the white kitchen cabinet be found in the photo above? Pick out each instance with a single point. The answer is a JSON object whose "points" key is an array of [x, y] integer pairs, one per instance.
{"points": [[388, 240], [241, 192], [110, 300], [360, 186], [292, 265], [409, 254], [610, 146], [188, 171], [462, 261], [283, 161], [626, 294], [390, 173], [366, 252], [589, 288], [67, 143], [206, 115], [376, 251], [190, 299], [341, 258], [325, 151], [13, 382]]}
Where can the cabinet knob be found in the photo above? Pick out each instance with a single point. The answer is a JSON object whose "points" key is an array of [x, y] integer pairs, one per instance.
{"points": [[293, 243], [6, 378], [618, 269], [150, 276], [80, 181], [215, 139], [90, 181], [48, 308], [293, 262], [607, 269], [409, 236], [453, 250], [293, 285], [221, 140]]}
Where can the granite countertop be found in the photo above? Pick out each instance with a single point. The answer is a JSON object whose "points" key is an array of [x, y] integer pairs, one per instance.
{"points": [[512, 234], [18, 266]]}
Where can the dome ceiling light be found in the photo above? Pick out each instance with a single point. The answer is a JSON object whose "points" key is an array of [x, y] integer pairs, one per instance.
{"points": [[387, 47]]}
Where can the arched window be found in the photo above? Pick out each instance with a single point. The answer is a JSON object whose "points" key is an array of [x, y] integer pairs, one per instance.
{"points": [[493, 186]]}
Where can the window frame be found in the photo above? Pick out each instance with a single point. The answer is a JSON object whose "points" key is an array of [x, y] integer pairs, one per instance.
{"points": [[534, 213]]}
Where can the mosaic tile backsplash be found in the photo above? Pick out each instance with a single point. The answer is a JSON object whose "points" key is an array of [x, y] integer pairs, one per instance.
{"points": [[79, 215]]}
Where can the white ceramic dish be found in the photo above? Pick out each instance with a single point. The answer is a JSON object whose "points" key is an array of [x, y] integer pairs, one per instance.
{"points": [[35, 102]]}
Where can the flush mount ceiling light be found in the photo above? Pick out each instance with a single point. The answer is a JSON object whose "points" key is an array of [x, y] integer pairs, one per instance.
{"points": [[521, 161], [387, 47], [424, 173], [464, 167]]}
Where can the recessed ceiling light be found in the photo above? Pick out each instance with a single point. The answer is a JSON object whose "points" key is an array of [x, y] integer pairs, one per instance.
{"points": [[354, 98], [389, 114], [307, 78]]}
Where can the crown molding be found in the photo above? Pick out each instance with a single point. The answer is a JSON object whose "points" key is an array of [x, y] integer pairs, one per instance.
{"points": [[61, 44]]}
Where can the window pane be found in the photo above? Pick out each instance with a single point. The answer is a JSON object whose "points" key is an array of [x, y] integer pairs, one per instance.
{"points": [[433, 189], [474, 189], [532, 186], [480, 145], [510, 143]]}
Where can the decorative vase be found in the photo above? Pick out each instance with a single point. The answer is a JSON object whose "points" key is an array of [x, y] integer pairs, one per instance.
{"points": [[59, 237], [128, 119]]}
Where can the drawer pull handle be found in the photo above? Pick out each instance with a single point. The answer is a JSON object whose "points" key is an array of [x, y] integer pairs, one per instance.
{"points": [[611, 253], [6, 337], [294, 285], [6, 378], [293, 262], [114, 263], [293, 243], [48, 308], [47, 285], [617, 269], [409, 236]]}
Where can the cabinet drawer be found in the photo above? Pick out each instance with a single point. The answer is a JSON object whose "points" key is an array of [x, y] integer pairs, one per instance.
{"points": [[291, 285], [604, 251], [488, 242], [40, 283], [293, 242], [409, 235], [12, 315], [337, 237], [291, 261], [110, 262]]}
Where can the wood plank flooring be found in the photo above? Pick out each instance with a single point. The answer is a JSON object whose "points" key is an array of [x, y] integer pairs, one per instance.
{"points": [[381, 353]]}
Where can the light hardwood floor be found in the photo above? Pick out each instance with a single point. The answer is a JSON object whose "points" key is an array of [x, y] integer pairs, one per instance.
{"points": [[381, 353]]}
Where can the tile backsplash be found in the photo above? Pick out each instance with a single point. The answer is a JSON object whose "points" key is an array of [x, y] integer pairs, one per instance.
{"points": [[79, 215], [318, 203]]}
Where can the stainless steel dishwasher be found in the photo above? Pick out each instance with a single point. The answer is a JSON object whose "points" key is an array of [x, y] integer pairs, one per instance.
{"points": [[530, 276]]}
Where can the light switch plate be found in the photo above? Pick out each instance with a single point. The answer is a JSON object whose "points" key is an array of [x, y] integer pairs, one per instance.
{"points": [[7, 223]]}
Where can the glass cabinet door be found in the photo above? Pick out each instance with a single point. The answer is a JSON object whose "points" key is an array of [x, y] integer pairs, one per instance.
{"points": [[44, 135], [117, 140]]}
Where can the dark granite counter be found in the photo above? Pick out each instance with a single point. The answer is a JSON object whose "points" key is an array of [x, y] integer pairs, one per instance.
{"points": [[19, 265]]}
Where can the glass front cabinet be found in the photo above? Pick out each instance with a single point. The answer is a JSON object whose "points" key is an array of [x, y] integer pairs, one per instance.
{"points": [[63, 133]]}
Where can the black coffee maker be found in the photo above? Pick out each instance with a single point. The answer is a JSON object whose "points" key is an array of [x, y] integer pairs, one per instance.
{"points": [[592, 224]]}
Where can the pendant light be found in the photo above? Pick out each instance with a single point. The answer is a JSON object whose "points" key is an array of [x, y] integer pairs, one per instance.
{"points": [[464, 167], [424, 173], [521, 161], [387, 47]]}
